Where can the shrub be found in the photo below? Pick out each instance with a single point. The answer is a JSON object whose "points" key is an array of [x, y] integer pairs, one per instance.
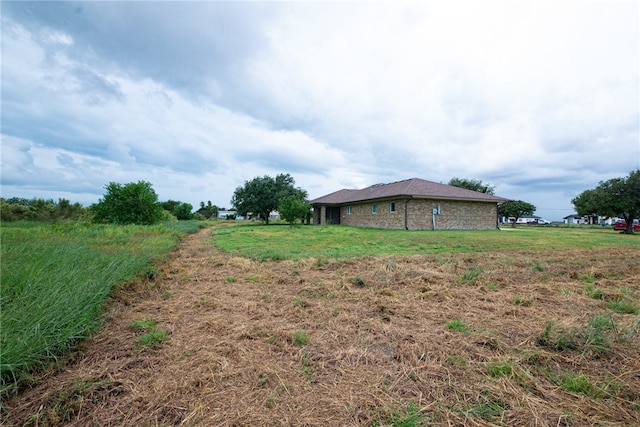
{"points": [[132, 203]]}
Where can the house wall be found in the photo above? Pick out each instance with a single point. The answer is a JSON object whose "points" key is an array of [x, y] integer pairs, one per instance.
{"points": [[454, 215]]}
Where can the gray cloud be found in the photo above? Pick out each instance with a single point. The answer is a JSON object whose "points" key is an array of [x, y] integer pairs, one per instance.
{"points": [[197, 97]]}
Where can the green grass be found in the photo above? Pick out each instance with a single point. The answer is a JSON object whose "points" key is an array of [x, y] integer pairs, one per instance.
{"points": [[300, 338], [410, 416], [55, 279], [457, 325], [501, 368], [153, 338], [271, 242]]}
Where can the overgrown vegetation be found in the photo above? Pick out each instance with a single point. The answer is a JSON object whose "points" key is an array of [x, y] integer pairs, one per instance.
{"points": [[21, 209], [56, 278]]}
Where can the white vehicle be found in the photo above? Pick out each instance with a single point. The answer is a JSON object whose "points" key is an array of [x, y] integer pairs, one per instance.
{"points": [[539, 221]]}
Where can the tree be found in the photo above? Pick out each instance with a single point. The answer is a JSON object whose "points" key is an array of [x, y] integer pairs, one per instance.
{"points": [[132, 203], [617, 197], [170, 205], [183, 211], [262, 195], [472, 184], [292, 208], [516, 209], [16, 208], [208, 211]]}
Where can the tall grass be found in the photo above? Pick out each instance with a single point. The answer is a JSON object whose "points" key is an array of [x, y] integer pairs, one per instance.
{"points": [[55, 279]]}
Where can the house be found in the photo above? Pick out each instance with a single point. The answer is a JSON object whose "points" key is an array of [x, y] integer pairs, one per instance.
{"points": [[589, 219], [574, 219], [412, 204]]}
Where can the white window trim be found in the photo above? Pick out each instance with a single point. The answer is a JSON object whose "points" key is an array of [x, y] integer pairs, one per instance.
{"points": [[392, 207], [374, 208]]}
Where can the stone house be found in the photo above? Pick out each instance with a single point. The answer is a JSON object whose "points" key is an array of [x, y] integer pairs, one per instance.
{"points": [[412, 204]]}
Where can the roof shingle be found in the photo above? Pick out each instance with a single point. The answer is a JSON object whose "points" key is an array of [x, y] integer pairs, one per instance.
{"points": [[409, 188]]}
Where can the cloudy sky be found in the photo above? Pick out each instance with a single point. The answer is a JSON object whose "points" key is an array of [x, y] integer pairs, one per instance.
{"points": [[539, 98]]}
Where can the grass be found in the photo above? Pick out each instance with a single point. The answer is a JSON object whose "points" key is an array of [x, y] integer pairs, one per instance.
{"points": [[56, 278], [410, 416], [367, 334], [501, 368], [457, 325], [263, 243], [300, 338], [153, 338], [471, 274], [597, 335]]}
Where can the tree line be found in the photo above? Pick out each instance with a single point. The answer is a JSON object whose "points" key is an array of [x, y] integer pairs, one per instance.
{"points": [[137, 203]]}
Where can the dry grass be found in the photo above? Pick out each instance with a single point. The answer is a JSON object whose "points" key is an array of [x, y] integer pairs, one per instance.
{"points": [[375, 346]]}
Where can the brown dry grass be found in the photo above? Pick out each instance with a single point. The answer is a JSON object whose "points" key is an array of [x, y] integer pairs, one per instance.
{"points": [[231, 358]]}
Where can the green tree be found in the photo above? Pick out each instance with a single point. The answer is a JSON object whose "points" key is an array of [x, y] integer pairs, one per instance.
{"points": [[262, 195], [16, 208], [516, 209], [472, 184], [208, 211], [183, 211], [292, 208], [132, 203], [617, 197], [170, 205]]}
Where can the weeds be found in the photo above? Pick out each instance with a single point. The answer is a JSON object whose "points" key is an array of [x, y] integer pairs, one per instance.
{"points": [[626, 306], [539, 266], [359, 281], [593, 292], [300, 338], [522, 301], [300, 303], [152, 336], [597, 336], [471, 274], [501, 368], [410, 416], [143, 325], [458, 325]]}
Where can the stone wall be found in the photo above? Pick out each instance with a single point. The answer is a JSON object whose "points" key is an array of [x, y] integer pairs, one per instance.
{"points": [[416, 214]]}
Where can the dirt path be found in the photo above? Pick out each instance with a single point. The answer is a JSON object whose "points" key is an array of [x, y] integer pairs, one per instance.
{"points": [[237, 355]]}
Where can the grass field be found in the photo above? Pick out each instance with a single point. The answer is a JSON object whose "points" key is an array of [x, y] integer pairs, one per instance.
{"points": [[56, 278], [279, 242], [269, 325]]}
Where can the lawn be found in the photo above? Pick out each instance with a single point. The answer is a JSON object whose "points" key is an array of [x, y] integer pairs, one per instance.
{"points": [[282, 242]]}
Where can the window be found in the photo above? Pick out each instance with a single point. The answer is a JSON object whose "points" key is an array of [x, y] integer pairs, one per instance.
{"points": [[374, 208], [348, 210], [392, 207]]}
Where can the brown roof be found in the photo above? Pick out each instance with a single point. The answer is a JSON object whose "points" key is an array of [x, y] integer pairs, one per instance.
{"points": [[409, 188]]}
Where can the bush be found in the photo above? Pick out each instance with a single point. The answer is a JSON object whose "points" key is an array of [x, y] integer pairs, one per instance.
{"points": [[132, 203], [183, 211]]}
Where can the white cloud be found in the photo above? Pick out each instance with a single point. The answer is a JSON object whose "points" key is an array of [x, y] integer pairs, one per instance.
{"points": [[533, 97]]}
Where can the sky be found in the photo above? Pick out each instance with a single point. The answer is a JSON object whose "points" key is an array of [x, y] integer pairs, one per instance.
{"points": [[537, 98]]}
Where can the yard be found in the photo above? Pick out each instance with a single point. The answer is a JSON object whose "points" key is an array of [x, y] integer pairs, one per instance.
{"points": [[255, 325]]}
